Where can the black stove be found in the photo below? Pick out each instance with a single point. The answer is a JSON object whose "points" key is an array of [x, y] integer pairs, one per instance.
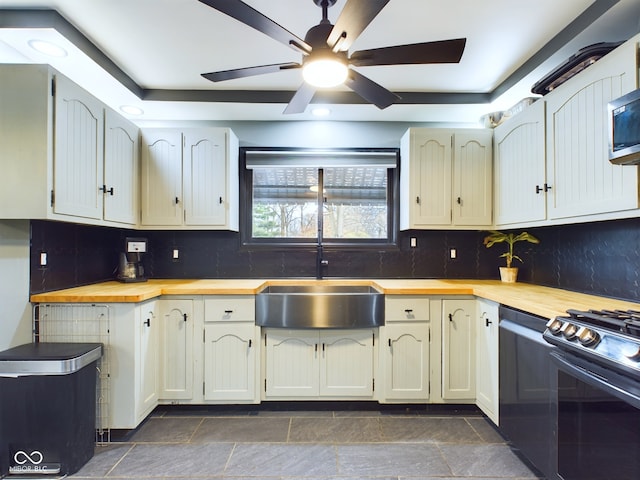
{"points": [[607, 337]]}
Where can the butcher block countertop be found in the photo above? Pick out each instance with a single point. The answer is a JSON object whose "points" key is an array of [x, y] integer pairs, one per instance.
{"points": [[543, 301]]}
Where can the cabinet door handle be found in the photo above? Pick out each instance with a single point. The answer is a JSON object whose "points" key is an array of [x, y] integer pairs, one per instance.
{"points": [[408, 310], [177, 200], [228, 312], [538, 189], [316, 347], [389, 342], [487, 322], [547, 187], [184, 315], [147, 322], [220, 200], [450, 317], [417, 199], [249, 343], [459, 201]]}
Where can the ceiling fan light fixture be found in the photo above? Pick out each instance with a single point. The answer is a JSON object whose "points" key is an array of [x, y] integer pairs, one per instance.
{"points": [[324, 72]]}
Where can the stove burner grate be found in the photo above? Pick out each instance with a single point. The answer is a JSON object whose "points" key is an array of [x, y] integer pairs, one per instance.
{"points": [[623, 321]]}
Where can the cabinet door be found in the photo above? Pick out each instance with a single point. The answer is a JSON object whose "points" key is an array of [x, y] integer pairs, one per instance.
{"points": [[148, 345], [205, 173], [230, 361], [161, 177], [292, 363], [583, 180], [458, 349], [472, 178], [176, 347], [78, 153], [120, 169], [487, 372], [346, 363], [404, 350], [520, 167], [431, 177]]}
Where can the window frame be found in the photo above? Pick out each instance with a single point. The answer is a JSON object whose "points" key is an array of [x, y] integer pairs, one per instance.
{"points": [[248, 242]]}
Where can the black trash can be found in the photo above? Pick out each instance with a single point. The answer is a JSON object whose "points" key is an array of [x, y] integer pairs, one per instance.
{"points": [[47, 408]]}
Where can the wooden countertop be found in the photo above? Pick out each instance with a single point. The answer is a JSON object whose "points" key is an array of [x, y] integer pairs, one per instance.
{"points": [[545, 301]]}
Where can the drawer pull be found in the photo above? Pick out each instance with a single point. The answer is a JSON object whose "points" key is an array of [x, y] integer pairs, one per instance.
{"points": [[408, 310], [228, 312]]}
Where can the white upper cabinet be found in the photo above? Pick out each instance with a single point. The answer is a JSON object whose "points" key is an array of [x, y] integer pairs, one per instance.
{"points": [[78, 155], [520, 167], [445, 178], [190, 179], [121, 166], [582, 180], [552, 164], [56, 164]]}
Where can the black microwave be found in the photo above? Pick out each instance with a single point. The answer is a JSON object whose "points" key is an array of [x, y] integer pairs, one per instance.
{"points": [[624, 129]]}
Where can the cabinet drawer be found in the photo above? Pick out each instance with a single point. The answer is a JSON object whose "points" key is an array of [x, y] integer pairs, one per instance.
{"points": [[406, 307], [230, 308]]}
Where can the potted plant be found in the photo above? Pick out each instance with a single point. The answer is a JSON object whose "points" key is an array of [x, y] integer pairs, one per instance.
{"points": [[508, 274]]}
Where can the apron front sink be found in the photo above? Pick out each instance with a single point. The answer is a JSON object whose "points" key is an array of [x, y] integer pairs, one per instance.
{"points": [[319, 306]]}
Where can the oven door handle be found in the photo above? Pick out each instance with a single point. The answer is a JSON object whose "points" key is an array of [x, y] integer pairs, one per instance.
{"points": [[596, 380]]}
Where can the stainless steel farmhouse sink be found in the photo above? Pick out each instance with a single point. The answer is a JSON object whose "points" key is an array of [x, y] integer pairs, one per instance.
{"points": [[320, 306]]}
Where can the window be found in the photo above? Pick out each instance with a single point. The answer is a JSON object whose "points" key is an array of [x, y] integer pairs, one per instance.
{"points": [[284, 189]]}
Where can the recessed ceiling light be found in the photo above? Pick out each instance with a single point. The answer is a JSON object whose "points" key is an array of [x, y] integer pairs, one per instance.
{"points": [[48, 48], [131, 110], [320, 112]]}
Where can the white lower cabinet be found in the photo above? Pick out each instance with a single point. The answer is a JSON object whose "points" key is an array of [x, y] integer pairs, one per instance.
{"points": [[458, 349], [311, 363], [231, 350], [404, 349], [487, 372], [176, 348]]}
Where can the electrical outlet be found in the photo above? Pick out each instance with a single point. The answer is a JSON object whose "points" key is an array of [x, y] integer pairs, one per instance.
{"points": [[453, 253], [43, 259], [413, 242], [176, 254]]}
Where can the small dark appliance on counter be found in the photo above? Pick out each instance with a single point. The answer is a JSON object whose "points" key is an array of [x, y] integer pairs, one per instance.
{"points": [[130, 268]]}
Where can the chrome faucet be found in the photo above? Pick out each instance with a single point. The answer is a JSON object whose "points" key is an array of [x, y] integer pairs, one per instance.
{"points": [[320, 263]]}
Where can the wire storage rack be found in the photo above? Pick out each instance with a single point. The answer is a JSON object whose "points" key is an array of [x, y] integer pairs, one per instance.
{"points": [[81, 323]]}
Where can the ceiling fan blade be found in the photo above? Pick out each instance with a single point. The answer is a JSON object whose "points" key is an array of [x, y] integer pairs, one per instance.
{"points": [[301, 99], [444, 51], [370, 90], [253, 18], [248, 71], [354, 18]]}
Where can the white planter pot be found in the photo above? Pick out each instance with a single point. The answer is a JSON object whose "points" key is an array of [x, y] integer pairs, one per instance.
{"points": [[509, 275]]}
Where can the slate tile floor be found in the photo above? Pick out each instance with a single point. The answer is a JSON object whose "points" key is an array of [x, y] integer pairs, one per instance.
{"points": [[307, 444]]}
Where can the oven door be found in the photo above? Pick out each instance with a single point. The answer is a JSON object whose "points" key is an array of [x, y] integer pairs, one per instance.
{"points": [[598, 421]]}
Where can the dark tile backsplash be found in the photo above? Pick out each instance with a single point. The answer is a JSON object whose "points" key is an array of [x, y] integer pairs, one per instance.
{"points": [[601, 258]]}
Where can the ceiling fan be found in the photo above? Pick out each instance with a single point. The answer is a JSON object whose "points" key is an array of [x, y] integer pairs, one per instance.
{"points": [[325, 50]]}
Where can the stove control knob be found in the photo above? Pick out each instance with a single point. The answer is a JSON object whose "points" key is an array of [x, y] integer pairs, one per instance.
{"points": [[569, 330], [587, 337], [634, 356], [554, 326]]}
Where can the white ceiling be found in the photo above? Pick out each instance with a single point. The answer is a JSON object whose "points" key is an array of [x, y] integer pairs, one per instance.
{"points": [[164, 45]]}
